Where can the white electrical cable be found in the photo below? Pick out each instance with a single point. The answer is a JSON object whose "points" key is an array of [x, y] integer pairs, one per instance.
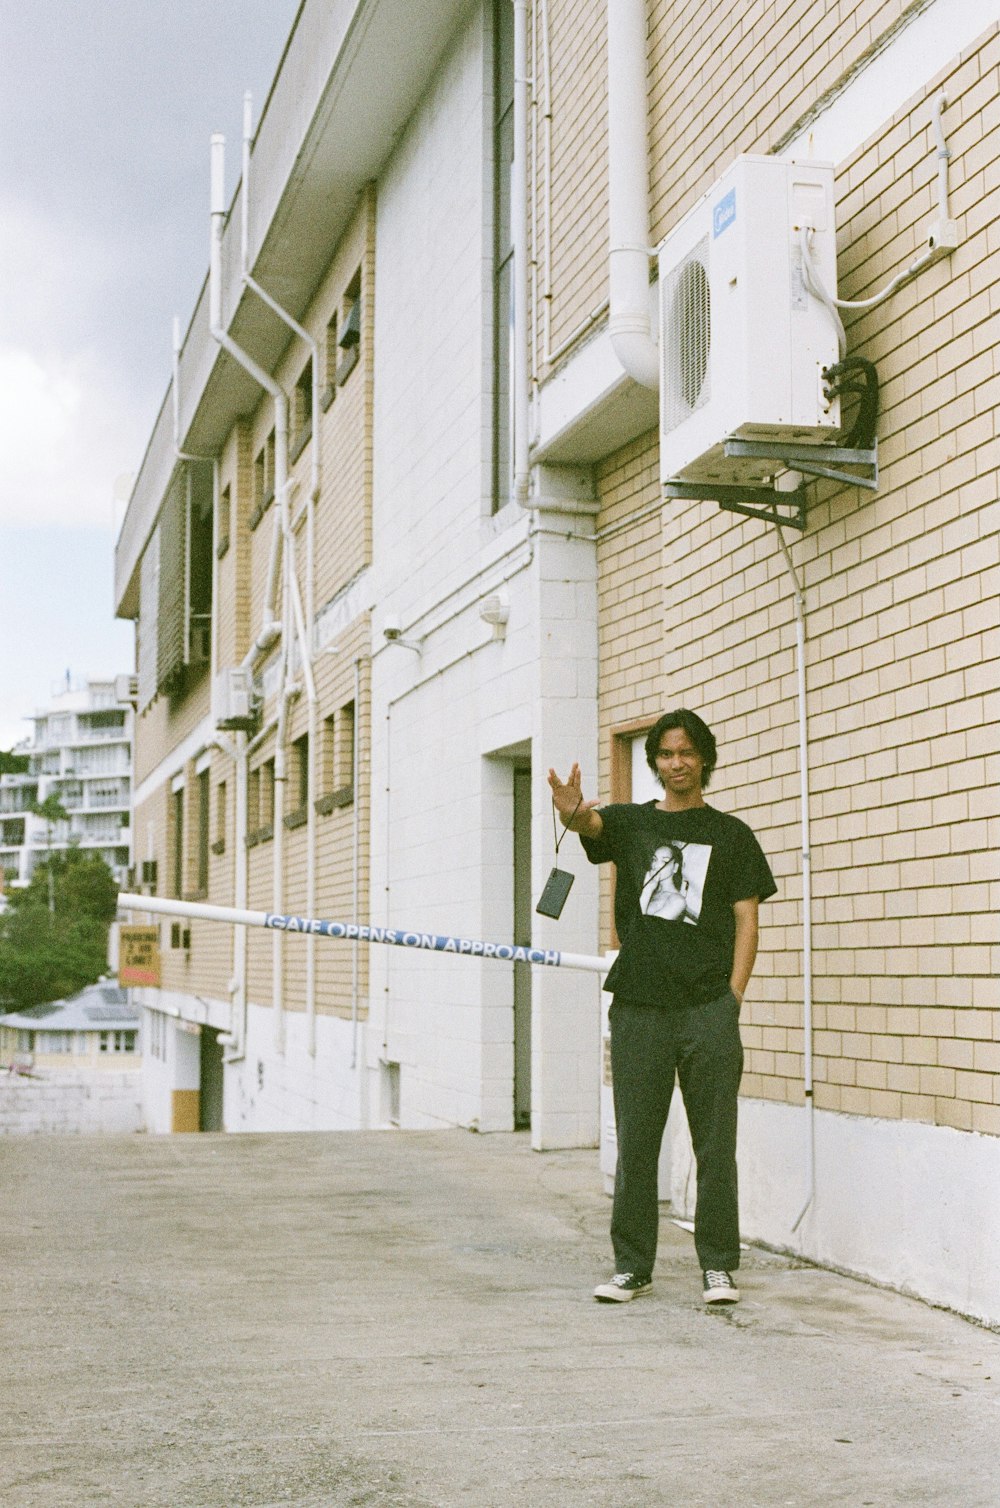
{"points": [[813, 282]]}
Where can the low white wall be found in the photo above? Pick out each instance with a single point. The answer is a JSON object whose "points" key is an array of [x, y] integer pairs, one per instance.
{"points": [[103, 1102], [909, 1205]]}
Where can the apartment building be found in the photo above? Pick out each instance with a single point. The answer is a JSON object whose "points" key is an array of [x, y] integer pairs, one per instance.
{"points": [[326, 507], [397, 549], [80, 752]]}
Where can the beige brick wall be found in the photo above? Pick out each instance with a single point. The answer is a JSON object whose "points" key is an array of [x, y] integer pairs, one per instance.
{"points": [[903, 661], [342, 549], [724, 78]]}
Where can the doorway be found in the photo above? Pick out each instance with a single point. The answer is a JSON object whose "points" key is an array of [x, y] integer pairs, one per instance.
{"points": [[210, 1100]]}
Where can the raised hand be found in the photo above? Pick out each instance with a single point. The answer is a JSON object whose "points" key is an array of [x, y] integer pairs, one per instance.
{"points": [[567, 798]]}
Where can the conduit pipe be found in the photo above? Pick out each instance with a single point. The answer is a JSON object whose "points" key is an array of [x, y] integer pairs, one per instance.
{"points": [[519, 237], [302, 619], [270, 630], [628, 193], [807, 985], [542, 65], [235, 1039], [356, 857]]}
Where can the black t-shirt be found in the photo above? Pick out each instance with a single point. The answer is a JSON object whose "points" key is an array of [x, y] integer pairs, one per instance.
{"points": [[678, 877]]}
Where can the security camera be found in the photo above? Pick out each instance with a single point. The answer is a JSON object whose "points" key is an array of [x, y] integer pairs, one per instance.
{"points": [[393, 634]]}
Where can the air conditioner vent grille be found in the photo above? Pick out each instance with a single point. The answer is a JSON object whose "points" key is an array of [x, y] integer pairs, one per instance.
{"points": [[688, 334]]}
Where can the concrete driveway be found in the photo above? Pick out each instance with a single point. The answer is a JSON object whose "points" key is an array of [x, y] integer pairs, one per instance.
{"points": [[378, 1320]]}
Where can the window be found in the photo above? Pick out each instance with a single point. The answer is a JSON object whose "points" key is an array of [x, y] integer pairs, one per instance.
{"points": [[219, 846], [267, 799], [225, 522], [301, 750], [175, 588], [503, 251], [203, 832], [253, 807], [338, 760], [331, 354], [349, 342], [177, 845], [117, 1041], [263, 481], [302, 415]]}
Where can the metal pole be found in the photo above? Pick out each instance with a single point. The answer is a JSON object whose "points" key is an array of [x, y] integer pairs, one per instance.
{"points": [[397, 937]]}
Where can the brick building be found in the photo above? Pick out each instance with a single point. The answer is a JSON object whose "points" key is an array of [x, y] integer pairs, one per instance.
{"points": [[491, 580]]}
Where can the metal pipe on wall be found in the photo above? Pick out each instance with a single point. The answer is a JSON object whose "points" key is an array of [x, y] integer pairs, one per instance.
{"points": [[807, 980], [270, 630], [304, 619]]}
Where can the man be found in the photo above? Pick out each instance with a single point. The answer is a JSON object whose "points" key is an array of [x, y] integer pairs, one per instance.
{"points": [[689, 880]]}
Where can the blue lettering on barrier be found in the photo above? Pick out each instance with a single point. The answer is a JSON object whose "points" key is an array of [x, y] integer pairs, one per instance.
{"points": [[435, 942]]}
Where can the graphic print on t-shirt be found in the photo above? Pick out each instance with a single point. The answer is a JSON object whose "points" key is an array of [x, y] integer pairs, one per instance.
{"points": [[675, 882]]}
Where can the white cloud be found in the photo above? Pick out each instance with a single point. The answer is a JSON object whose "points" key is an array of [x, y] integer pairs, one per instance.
{"points": [[66, 434], [70, 421]]}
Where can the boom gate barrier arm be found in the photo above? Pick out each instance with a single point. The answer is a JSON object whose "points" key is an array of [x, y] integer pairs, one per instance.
{"points": [[397, 937]]}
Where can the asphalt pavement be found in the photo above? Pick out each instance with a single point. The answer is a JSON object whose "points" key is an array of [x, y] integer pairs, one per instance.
{"points": [[405, 1320]]}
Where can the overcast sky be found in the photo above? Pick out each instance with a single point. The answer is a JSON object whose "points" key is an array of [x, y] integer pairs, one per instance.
{"points": [[106, 109]]}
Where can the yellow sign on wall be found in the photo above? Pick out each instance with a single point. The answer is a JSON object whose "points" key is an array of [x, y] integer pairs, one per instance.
{"points": [[139, 956]]}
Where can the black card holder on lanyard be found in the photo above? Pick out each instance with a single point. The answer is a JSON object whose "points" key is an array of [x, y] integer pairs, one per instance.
{"points": [[553, 897], [560, 881]]}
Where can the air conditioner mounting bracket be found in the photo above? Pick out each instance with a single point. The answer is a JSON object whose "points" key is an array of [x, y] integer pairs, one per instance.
{"points": [[768, 503]]}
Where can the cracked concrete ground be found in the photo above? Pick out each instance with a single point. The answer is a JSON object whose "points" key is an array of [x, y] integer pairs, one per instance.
{"points": [[373, 1320]]}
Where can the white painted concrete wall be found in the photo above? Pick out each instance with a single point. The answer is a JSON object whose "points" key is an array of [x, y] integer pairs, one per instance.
{"points": [[264, 1090], [104, 1102], [448, 721], [912, 1206]]}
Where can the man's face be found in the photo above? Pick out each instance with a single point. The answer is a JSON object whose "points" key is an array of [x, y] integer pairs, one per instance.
{"points": [[678, 763]]}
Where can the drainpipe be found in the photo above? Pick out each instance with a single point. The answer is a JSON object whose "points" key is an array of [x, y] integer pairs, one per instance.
{"points": [[807, 992], [356, 861], [628, 193], [270, 629], [304, 620]]}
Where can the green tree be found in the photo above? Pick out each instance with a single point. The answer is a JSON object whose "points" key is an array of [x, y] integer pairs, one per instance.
{"points": [[51, 811], [47, 954]]}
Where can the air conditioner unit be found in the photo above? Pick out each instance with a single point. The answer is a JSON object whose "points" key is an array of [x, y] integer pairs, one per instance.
{"points": [[234, 698], [742, 341], [126, 690]]}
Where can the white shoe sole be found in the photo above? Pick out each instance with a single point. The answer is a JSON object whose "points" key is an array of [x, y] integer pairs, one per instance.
{"points": [[607, 1293], [721, 1295]]}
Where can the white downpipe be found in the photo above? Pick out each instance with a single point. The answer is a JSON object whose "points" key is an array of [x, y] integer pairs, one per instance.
{"points": [[628, 193], [305, 638], [270, 630], [238, 985], [356, 862], [943, 156], [519, 234], [807, 989]]}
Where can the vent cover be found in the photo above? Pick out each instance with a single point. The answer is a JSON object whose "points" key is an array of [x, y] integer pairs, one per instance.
{"points": [[687, 338]]}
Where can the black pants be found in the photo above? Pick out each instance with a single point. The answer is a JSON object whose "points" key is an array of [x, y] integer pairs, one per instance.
{"points": [[702, 1045]]}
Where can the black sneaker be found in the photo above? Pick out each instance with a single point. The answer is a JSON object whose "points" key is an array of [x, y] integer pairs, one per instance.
{"points": [[621, 1288], [719, 1287]]}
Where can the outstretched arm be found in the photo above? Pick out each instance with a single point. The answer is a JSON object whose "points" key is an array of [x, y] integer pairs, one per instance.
{"points": [[575, 813]]}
